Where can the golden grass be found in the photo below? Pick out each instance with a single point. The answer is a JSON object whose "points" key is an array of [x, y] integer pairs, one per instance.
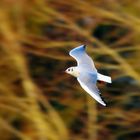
{"points": [[49, 29]]}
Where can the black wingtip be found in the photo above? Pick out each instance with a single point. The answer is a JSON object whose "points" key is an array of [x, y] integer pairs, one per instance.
{"points": [[84, 46]]}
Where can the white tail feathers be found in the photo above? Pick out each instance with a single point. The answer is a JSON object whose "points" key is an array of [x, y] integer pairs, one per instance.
{"points": [[104, 78]]}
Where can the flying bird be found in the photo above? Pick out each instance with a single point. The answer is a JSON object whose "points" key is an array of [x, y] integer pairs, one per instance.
{"points": [[86, 73]]}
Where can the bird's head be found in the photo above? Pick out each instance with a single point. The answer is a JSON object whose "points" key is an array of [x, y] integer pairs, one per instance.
{"points": [[72, 71]]}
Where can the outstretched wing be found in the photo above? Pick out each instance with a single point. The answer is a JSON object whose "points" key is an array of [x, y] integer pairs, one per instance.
{"points": [[88, 83], [82, 58]]}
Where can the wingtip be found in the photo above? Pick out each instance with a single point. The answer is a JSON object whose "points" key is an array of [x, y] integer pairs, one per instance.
{"points": [[103, 103], [84, 46]]}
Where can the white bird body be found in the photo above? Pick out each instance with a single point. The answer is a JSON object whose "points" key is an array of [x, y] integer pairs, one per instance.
{"points": [[86, 73]]}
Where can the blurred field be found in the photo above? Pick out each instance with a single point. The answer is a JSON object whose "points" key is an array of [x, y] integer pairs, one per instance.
{"points": [[38, 101]]}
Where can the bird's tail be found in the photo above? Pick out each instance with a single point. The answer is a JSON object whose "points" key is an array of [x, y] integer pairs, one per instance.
{"points": [[104, 78]]}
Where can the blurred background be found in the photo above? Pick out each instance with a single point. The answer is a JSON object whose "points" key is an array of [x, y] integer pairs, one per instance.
{"points": [[38, 101]]}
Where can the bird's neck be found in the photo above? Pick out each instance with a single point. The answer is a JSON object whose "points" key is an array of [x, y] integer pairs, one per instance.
{"points": [[76, 72]]}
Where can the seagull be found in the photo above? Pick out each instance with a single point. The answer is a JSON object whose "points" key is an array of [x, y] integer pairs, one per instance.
{"points": [[86, 73]]}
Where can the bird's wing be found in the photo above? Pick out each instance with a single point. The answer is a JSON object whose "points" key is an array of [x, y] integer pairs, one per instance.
{"points": [[88, 83], [82, 58]]}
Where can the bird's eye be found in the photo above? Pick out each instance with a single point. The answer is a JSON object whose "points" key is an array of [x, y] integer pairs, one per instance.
{"points": [[68, 69]]}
